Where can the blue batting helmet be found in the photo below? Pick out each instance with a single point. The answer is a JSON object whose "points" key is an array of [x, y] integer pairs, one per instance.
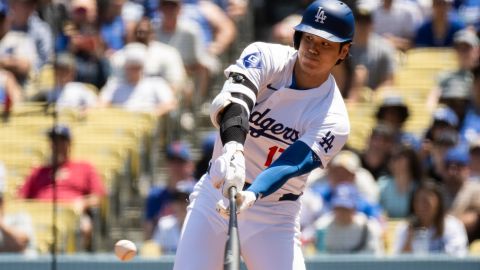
{"points": [[330, 19]]}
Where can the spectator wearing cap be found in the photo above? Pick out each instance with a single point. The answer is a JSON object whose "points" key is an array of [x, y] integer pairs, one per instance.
{"points": [[167, 232], [136, 92], [455, 92], [439, 30], [372, 56], [444, 118], [430, 229], [77, 182], [162, 60], [68, 94], [461, 194], [18, 55], [470, 129], [345, 168], [394, 112], [16, 229], [397, 188], [439, 137], [180, 170], [25, 19], [455, 87], [376, 154], [345, 230]]}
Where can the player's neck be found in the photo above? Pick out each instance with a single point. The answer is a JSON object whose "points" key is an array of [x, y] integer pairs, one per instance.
{"points": [[307, 79]]}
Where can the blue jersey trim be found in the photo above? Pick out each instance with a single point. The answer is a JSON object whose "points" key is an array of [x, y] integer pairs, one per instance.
{"points": [[296, 160]]}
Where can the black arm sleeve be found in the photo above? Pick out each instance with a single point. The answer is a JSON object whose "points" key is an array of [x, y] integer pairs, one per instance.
{"points": [[234, 124]]}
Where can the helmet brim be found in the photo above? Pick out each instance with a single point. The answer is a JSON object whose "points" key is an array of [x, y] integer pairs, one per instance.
{"points": [[323, 34]]}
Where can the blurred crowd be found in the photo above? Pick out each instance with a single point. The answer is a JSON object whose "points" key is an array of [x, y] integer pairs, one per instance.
{"points": [[402, 192]]}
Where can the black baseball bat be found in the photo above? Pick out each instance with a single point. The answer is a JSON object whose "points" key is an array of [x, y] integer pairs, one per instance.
{"points": [[231, 259]]}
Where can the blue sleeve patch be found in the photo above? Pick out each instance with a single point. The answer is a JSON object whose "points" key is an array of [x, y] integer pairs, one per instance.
{"points": [[253, 60]]}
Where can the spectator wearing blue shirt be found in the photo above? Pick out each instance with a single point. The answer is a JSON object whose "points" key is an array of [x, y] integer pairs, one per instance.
{"points": [[26, 20], [397, 188], [439, 30], [345, 168], [180, 170], [112, 27]]}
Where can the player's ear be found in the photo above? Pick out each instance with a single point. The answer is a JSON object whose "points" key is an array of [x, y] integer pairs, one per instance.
{"points": [[345, 50]]}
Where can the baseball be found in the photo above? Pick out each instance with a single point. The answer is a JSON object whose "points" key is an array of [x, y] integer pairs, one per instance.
{"points": [[125, 250]]}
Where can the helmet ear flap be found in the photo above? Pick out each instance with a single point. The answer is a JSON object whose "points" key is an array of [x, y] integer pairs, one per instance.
{"points": [[297, 36]]}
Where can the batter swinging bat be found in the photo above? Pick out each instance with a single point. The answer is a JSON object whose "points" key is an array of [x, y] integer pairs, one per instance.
{"points": [[231, 259]]}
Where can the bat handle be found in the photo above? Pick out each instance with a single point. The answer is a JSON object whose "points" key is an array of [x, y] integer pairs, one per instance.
{"points": [[232, 192]]}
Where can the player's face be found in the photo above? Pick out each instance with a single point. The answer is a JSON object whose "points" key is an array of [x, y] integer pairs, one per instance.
{"points": [[319, 55]]}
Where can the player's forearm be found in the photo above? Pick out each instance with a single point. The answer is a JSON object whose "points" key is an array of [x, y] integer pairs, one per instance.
{"points": [[231, 128], [14, 241], [296, 160]]}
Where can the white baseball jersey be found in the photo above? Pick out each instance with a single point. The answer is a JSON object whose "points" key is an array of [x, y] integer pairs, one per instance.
{"points": [[282, 115], [270, 228]]}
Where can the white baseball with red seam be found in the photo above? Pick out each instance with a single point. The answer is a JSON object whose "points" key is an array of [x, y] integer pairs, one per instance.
{"points": [[125, 250]]}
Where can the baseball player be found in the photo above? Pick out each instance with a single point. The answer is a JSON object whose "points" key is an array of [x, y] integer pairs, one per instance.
{"points": [[280, 114]]}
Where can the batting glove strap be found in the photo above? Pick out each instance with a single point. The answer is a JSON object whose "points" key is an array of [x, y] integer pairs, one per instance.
{"points": [[245, 199]]}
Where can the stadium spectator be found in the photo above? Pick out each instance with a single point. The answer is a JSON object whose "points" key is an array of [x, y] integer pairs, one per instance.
{"points": [[17, 49], [136, 92], [77, 182], [167, 231], [430, 229], [475, 161], [372, 56], [396, 189], [439, 137], [54, 13], [67, 93], [434, 161], [394, 112], [180, 169], [201, 166], [397, 21], [438, 31], [282, 32], [235, 9], [185, 35], [112, 27], [345, 168], [470, 129], [218, 30], [376, 154], [455, 92], [25, 19], [16, 229], [132, 12], [162, 60], [461, 193], [346, 230], [10, 91], [81, 38], [444, 119]]}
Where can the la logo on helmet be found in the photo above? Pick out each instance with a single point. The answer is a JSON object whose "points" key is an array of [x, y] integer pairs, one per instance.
{"points": [[320, 16]]}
